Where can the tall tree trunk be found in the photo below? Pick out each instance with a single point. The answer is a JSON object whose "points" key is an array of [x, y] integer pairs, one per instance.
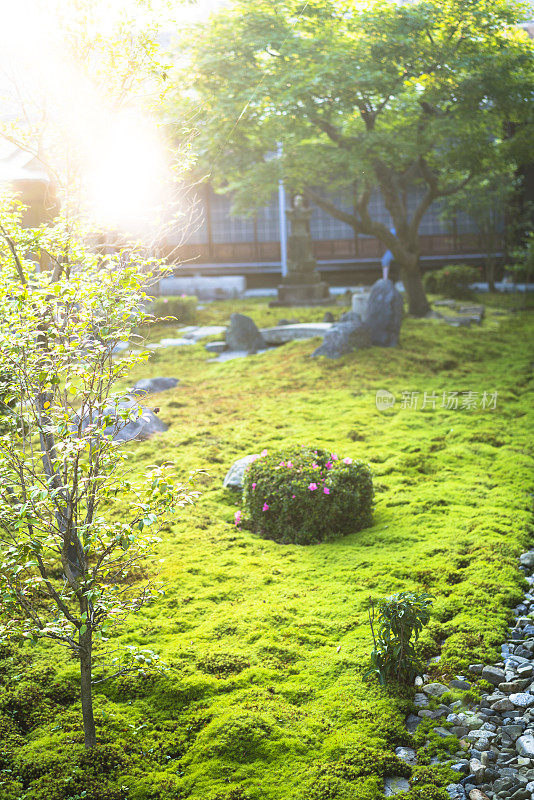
{"points": [[86, 647], [418, 305]]}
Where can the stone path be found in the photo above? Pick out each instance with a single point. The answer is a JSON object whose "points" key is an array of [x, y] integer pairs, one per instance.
{"points": [[496, 736]]}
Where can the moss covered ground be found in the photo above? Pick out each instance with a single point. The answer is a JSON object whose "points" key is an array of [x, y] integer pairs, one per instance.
{"points": [[266, 644]]}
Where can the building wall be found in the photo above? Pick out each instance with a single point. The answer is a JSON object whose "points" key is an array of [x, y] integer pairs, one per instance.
{"points": [[217, 235]]}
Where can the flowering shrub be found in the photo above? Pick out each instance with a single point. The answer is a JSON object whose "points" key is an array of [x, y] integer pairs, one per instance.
{"points": [[452, 281], [304, 495]]}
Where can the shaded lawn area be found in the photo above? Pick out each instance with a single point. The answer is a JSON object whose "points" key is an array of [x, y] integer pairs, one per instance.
{"points": [[267, 643]]}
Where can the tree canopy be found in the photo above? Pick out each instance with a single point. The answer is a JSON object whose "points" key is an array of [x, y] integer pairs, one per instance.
{"points": [[397, 97]]}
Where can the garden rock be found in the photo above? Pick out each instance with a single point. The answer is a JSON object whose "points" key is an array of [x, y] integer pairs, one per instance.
{"points": [[236, 473], [456, 791], [242, 334], [412, 723], [395, 785], [406, 754], [153, 385], [383, 314], [525, 746], [343, 338], [435, 689], [522, 700], [493, 675]]}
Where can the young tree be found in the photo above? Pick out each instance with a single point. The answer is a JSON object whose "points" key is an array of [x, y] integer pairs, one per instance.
{"points": [[65, 552], [405, 98]]}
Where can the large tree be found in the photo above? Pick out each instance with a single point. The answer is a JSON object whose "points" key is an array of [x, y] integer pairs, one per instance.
{"points": [[409, 99]]}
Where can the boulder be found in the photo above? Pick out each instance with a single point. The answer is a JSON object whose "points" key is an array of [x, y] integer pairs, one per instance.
{"points": [[383, 314], [343, 338], [236, 473], [242, 334], [153, 385]]}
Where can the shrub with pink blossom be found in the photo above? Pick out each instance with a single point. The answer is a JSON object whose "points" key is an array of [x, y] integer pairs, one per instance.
{"points": [[305, 495]]}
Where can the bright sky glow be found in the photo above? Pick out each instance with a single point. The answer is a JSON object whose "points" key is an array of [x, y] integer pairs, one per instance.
{"points": [[123, 156]]}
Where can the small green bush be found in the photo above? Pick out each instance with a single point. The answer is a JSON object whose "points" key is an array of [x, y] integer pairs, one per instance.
{"points": [[400, 619], [183, 308], [302, 495], [452, 281]]}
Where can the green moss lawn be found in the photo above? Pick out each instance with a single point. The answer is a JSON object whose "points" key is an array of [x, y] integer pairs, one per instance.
{"points": [[267, 644]]}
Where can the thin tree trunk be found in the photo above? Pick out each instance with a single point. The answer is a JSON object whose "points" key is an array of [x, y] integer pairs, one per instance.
{"points": [[418, 305], [86, 646]]}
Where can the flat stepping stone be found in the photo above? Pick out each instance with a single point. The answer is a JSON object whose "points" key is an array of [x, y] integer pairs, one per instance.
{"points": [[281, 334], [200, 332], [175, 342], [229, 355]]}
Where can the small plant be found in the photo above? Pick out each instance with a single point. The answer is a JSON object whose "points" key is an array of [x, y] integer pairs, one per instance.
{"points": [[303, 495], [184, 308], [452, 281], [400, 620]]}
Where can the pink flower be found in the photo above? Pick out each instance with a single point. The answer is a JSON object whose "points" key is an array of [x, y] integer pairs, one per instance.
{"points": [[334, 457], [329, 465], [265, 507], [263, 452], [293, 496], [347, 460], [238, 517], [290, 464], [315, 466], [282, 464], [326, 490], [254, 485], [312, 487]]}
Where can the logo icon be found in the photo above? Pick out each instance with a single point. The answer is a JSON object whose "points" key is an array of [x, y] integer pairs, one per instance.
{"points": [[384, 400]]}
